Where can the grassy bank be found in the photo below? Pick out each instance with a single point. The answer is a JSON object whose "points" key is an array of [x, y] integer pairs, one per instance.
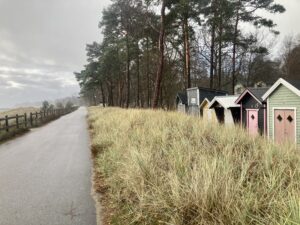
{"points": [[4, 136], [167, 168]]}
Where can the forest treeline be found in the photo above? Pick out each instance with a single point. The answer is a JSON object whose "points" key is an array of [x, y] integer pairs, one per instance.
{"points": [[152, 49]]}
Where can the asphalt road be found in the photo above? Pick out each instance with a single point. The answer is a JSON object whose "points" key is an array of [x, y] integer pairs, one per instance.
{"points": [[45, 175]]}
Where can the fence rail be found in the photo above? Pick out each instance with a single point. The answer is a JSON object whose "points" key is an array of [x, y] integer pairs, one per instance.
{"points": [[33, 119]]}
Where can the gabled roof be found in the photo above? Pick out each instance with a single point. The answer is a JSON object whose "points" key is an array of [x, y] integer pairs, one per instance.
{"points": [[207, 93], [203, 102], [182, 96], [225, 101], [208, 89], [292, 85], [256, 93]]}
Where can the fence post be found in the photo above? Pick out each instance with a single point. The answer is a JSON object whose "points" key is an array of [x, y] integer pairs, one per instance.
{"points": [[36, 118], [25, 120], [31, 120], [6, 123], [17, 121]]}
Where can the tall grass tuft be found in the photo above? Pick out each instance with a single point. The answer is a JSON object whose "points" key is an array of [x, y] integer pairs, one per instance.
{"points": [[168, 168]]}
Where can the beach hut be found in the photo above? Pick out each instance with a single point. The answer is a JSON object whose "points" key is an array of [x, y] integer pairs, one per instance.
{"points": [[253, 110], [196, 95], [227, 111], [206, 113], [181, 102], [283, 111]]}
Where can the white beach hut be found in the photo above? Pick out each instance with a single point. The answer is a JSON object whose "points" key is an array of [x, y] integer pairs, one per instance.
{"points": [[227, 111]]}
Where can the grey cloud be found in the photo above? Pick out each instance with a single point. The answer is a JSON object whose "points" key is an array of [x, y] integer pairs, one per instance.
{"points": [[41, 43]]}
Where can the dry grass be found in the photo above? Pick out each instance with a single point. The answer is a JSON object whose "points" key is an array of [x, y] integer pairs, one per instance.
{"points": [[20, 111], [168, 168]]}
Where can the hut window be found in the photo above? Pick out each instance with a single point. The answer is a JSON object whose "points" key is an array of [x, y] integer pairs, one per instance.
{"points": [[290, 119], [252, 117], [193, 100], [279, 118]]}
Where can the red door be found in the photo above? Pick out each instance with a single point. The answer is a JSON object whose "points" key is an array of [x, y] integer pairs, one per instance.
{"points": [[284, 125], [252, 122]]}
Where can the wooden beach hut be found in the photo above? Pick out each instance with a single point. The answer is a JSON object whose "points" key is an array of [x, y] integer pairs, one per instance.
{"points": [[283, 111], [196, 95], [206, 113], [253, 110], [227, 111]]}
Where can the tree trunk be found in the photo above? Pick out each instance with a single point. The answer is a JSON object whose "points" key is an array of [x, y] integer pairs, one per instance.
{"points": [[220, 53], [128, 72], [220, 65], [111, 93], [161, 97], [120, 81], [138, 96], [235, 37], [148, 59], [187, 52], [212, 55], [108, 94], [212, 46], [103, 94], [120, 92], [162, 56], [148, 74], [184, 79], [94, 98]]}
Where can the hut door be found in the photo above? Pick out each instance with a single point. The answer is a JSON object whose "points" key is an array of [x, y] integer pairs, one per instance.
{"points": [[252, 119], [284, 125]]}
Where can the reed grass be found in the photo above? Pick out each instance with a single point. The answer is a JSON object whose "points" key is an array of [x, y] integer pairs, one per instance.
{"points": [[168, 168]]}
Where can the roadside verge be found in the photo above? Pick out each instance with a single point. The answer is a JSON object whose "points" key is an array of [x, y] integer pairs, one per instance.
{"points": [[157, 167]]}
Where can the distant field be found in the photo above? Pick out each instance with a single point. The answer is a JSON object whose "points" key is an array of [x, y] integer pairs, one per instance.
{"points": [[13, 112], [158, 167]]}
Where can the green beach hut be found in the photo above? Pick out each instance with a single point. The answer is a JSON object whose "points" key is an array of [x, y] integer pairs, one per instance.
{"points": [[283, 111]]}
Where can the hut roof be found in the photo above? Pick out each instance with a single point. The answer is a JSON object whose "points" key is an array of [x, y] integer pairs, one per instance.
{"points": [[209, 90], [293, 85], [225, 101], [256, 93], [208, 93], [182, 96], [207, 101]]}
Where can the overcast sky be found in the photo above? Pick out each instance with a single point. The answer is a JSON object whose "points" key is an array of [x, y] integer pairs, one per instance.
{"points": [[42, 42]]}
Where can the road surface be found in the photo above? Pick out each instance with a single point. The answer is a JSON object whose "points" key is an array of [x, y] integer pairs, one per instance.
{"points": [[45, 175]]}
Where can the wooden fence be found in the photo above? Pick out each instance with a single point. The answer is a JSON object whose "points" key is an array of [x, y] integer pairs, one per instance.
{"points": [[30, 120]]}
